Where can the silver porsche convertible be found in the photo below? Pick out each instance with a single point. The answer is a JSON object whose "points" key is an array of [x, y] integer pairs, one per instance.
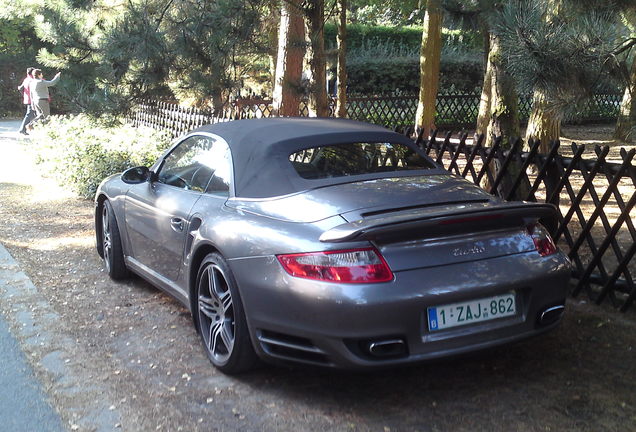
{"points": [[330, 242]]}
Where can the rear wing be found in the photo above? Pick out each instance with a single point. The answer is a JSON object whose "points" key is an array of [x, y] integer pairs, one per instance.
{"points": [[442, 221]]}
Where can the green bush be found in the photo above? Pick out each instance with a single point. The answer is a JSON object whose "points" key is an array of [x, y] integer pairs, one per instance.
{"points": [[359, 34], [384, 60], [375, 71], [80, 151]]}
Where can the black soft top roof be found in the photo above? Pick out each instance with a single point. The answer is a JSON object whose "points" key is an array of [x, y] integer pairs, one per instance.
{"points": [[261, 148]]}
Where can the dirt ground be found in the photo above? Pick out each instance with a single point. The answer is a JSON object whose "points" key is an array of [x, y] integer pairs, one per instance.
{"points": [[138, 346]]}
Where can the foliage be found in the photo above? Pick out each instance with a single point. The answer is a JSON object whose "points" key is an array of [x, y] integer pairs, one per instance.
{"points": [[385, 12], [217, 37], [358, 34], [12, 71], [565, 57], [381, 69], [385, 60], [112, 54], [361, 35], [80, 151], [17, 36], [18, 48]]}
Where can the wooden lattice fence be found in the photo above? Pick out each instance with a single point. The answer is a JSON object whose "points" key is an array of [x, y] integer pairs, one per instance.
{"points": [[595, 198], [171, 117], [453, 111]]}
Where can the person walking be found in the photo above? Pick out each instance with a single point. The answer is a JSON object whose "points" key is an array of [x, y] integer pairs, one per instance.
{"points": [[26, 100], [39, 88]]}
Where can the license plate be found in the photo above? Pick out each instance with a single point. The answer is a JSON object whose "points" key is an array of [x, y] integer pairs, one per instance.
{"points": [[463, 313]]}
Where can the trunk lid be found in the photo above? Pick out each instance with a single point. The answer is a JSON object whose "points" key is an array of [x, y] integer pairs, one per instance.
{"points": [[352, 200], [415, 222]]}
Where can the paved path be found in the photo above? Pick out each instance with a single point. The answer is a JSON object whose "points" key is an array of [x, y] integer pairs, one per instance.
{"points": [[23, 404], [13, 153], [9, 128]]}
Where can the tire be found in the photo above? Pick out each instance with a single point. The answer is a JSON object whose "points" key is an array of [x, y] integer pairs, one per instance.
{"points": [[112, 251], [220, 318]]}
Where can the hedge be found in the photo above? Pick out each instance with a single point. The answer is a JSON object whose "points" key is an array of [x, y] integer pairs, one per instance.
{"points": [[383, 76], [410, 36]]}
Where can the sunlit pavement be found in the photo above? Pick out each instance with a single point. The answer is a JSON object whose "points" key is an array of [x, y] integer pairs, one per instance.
{"points": [[9, 129], [10, 146]]}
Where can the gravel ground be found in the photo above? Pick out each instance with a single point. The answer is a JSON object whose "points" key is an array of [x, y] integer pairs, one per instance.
{"points": [[124, 356]]}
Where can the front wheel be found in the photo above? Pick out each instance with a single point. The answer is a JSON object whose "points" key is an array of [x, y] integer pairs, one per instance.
{"points": [[220, 318], [112, 250]]}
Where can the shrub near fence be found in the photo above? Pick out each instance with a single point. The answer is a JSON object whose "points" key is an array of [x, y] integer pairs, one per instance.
{"points": [[595, 198]]}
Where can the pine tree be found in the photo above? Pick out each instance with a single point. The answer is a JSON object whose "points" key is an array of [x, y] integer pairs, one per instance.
{"points": [[626, 122], [557, 49], [113, 55]]}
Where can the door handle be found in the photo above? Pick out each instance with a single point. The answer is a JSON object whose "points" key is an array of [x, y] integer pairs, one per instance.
{"points": [[176, 224]]}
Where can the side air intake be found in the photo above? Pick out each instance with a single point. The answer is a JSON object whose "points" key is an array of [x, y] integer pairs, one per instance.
{"points": [[294, 348]]}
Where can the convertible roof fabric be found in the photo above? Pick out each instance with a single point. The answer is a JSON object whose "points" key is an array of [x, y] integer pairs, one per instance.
{"points": [[261, 149]]}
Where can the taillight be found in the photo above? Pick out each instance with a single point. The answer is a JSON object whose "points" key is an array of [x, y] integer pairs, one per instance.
{"points": [[344, 266], [542, 239]]}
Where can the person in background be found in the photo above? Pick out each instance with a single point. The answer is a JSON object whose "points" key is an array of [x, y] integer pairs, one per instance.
{"points": [[39, 88], [26, 100]]}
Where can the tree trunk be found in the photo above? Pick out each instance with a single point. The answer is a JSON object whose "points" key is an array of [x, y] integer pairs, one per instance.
{"points": [[430, 53], [341, 102], [504, 122], [545, 125], [289, 64], [483, 118], [315, 21], [272, 23], [504, 110], [545, 121], [626, 122], [218, 102]]}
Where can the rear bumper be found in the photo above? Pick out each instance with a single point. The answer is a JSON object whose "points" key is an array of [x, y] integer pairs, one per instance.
{"points": [[333, 325]]}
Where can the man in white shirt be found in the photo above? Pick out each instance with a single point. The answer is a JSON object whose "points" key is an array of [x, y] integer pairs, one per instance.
{"points": [[39, 88]]}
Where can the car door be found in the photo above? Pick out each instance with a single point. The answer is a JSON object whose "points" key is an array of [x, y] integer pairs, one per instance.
{"points": [[158, 212]]}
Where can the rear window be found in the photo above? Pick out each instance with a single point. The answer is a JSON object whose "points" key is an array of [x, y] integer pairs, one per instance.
{"points": [[355, 159]]}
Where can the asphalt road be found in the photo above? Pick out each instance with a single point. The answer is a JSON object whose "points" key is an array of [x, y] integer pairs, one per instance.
{"points": [[23, 404]]}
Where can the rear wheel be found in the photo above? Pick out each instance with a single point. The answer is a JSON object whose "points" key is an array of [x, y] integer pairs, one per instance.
{"points": [[112, 250], [220, 318]]}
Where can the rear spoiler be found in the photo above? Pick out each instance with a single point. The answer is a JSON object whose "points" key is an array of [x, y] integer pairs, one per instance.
{"points": [[436, 221]]}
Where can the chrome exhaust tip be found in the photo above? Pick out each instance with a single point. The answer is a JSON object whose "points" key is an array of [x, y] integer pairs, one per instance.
{"points": [[551, 315], [387, 348]]}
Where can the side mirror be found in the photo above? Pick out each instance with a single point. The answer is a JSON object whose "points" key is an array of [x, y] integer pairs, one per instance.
{"points": [[136, 175]]}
